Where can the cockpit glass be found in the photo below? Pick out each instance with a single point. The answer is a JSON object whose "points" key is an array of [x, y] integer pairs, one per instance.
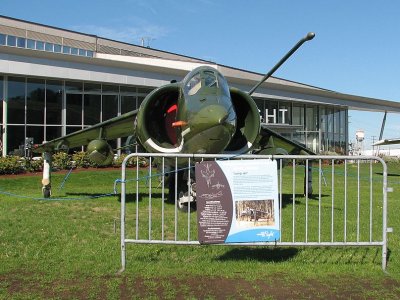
{"points": [[209, 79], [223, 84], [194, 84]]}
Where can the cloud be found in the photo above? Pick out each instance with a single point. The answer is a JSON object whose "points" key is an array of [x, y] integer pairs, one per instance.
{"points": [[128, 33]]}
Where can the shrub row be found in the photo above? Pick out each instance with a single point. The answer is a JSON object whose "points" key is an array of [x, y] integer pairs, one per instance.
{"points": [[60, 161]]}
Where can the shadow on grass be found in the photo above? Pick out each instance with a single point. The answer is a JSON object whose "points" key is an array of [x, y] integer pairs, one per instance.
{"points": [[287, 199], [389, 174], [260, 254], [89, 195], [131, 197], [313, 255]]}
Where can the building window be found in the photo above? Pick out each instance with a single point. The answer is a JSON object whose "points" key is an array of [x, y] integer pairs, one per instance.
{"points": [[128, 103], [2, 39], [11, 41], [74, 109], [109, 107], [92, 109], [53, 103], [66, 50], [297, 114], [52, 132], [21, 42], [39, 45], [57, 48], [311, 118], [322, 128], [49, 47], [73, 86], [15, 138], [16, 100], [35, 132], [92, 87], [35, 100], [74, 51], [31, 44]]}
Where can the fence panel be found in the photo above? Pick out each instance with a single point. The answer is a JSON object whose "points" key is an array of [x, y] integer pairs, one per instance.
{"points": [[323, 200]]}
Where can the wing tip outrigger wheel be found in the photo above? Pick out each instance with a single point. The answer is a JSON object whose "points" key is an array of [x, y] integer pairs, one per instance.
{"points": [[46, 191]]}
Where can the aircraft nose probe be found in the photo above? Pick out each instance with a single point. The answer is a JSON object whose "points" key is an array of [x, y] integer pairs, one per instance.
{"points": [[308, 37]]}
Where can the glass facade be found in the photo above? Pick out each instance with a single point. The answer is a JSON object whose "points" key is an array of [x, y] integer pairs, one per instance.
{"points": [[44, 109], [322, 128]]}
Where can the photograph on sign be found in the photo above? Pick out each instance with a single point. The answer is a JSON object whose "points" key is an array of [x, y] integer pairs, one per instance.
{"points": [[237, 201], [251, 213]]}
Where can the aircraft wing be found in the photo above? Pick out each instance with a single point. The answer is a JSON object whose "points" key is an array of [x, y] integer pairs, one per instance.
{"points": [[270, 139], [117, 127], [387, 142]]}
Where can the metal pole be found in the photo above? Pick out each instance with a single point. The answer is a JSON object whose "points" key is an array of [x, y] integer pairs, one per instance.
{"points": [[123, 193], [384, 221], [381, 133], [383, 125]]}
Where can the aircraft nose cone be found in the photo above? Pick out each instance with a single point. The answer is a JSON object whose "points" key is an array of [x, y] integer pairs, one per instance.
{"points": [[219, 115], [211, 129]]}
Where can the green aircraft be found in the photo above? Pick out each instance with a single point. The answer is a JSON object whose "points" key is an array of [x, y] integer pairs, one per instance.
{"points": [[201, 114]]}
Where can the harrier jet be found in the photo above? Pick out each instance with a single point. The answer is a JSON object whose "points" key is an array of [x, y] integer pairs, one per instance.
{"points": [[201, 114]]}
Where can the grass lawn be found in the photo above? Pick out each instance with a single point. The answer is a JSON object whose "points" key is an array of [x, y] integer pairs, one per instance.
{"points": [[70, 249]]}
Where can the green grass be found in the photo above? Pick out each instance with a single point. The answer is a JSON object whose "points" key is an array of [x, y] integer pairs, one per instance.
{"points": [[71, 248]]}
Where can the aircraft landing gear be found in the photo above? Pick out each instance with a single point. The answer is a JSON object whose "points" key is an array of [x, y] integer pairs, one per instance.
{"points": [[184, 199], [46, 191], [46, 181]]}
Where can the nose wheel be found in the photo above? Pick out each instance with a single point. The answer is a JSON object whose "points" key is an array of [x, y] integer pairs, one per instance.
{"points": [[186, 200]]}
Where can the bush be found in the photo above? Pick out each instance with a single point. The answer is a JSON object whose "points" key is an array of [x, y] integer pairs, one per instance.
{"points": [[117, 163], [11, 165], [81, 160], [390, 159], [33, 165], [61, 161]]}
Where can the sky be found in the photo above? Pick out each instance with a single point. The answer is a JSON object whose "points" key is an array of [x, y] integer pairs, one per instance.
{"points": [[356, 49]]}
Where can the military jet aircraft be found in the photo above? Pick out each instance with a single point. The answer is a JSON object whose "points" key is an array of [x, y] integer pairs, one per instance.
{"points": [[201, 114]]}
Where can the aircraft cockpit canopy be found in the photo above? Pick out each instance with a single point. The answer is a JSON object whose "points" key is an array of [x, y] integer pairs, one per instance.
{"points": [[205, 78]]}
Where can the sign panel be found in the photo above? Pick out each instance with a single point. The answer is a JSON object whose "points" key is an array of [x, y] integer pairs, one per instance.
{"points": [[237, 201]]}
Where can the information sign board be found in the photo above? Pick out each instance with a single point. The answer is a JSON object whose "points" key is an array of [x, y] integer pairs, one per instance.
{"points": [[237, 201]]}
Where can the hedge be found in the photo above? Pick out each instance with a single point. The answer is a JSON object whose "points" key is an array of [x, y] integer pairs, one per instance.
{"points": [[60, 161]]}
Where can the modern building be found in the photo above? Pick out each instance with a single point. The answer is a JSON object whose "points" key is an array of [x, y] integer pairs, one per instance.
{"points": [[55, 81]]}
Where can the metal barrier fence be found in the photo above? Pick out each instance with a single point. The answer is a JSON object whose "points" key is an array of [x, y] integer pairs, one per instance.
{"points": [[347, 205]]}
